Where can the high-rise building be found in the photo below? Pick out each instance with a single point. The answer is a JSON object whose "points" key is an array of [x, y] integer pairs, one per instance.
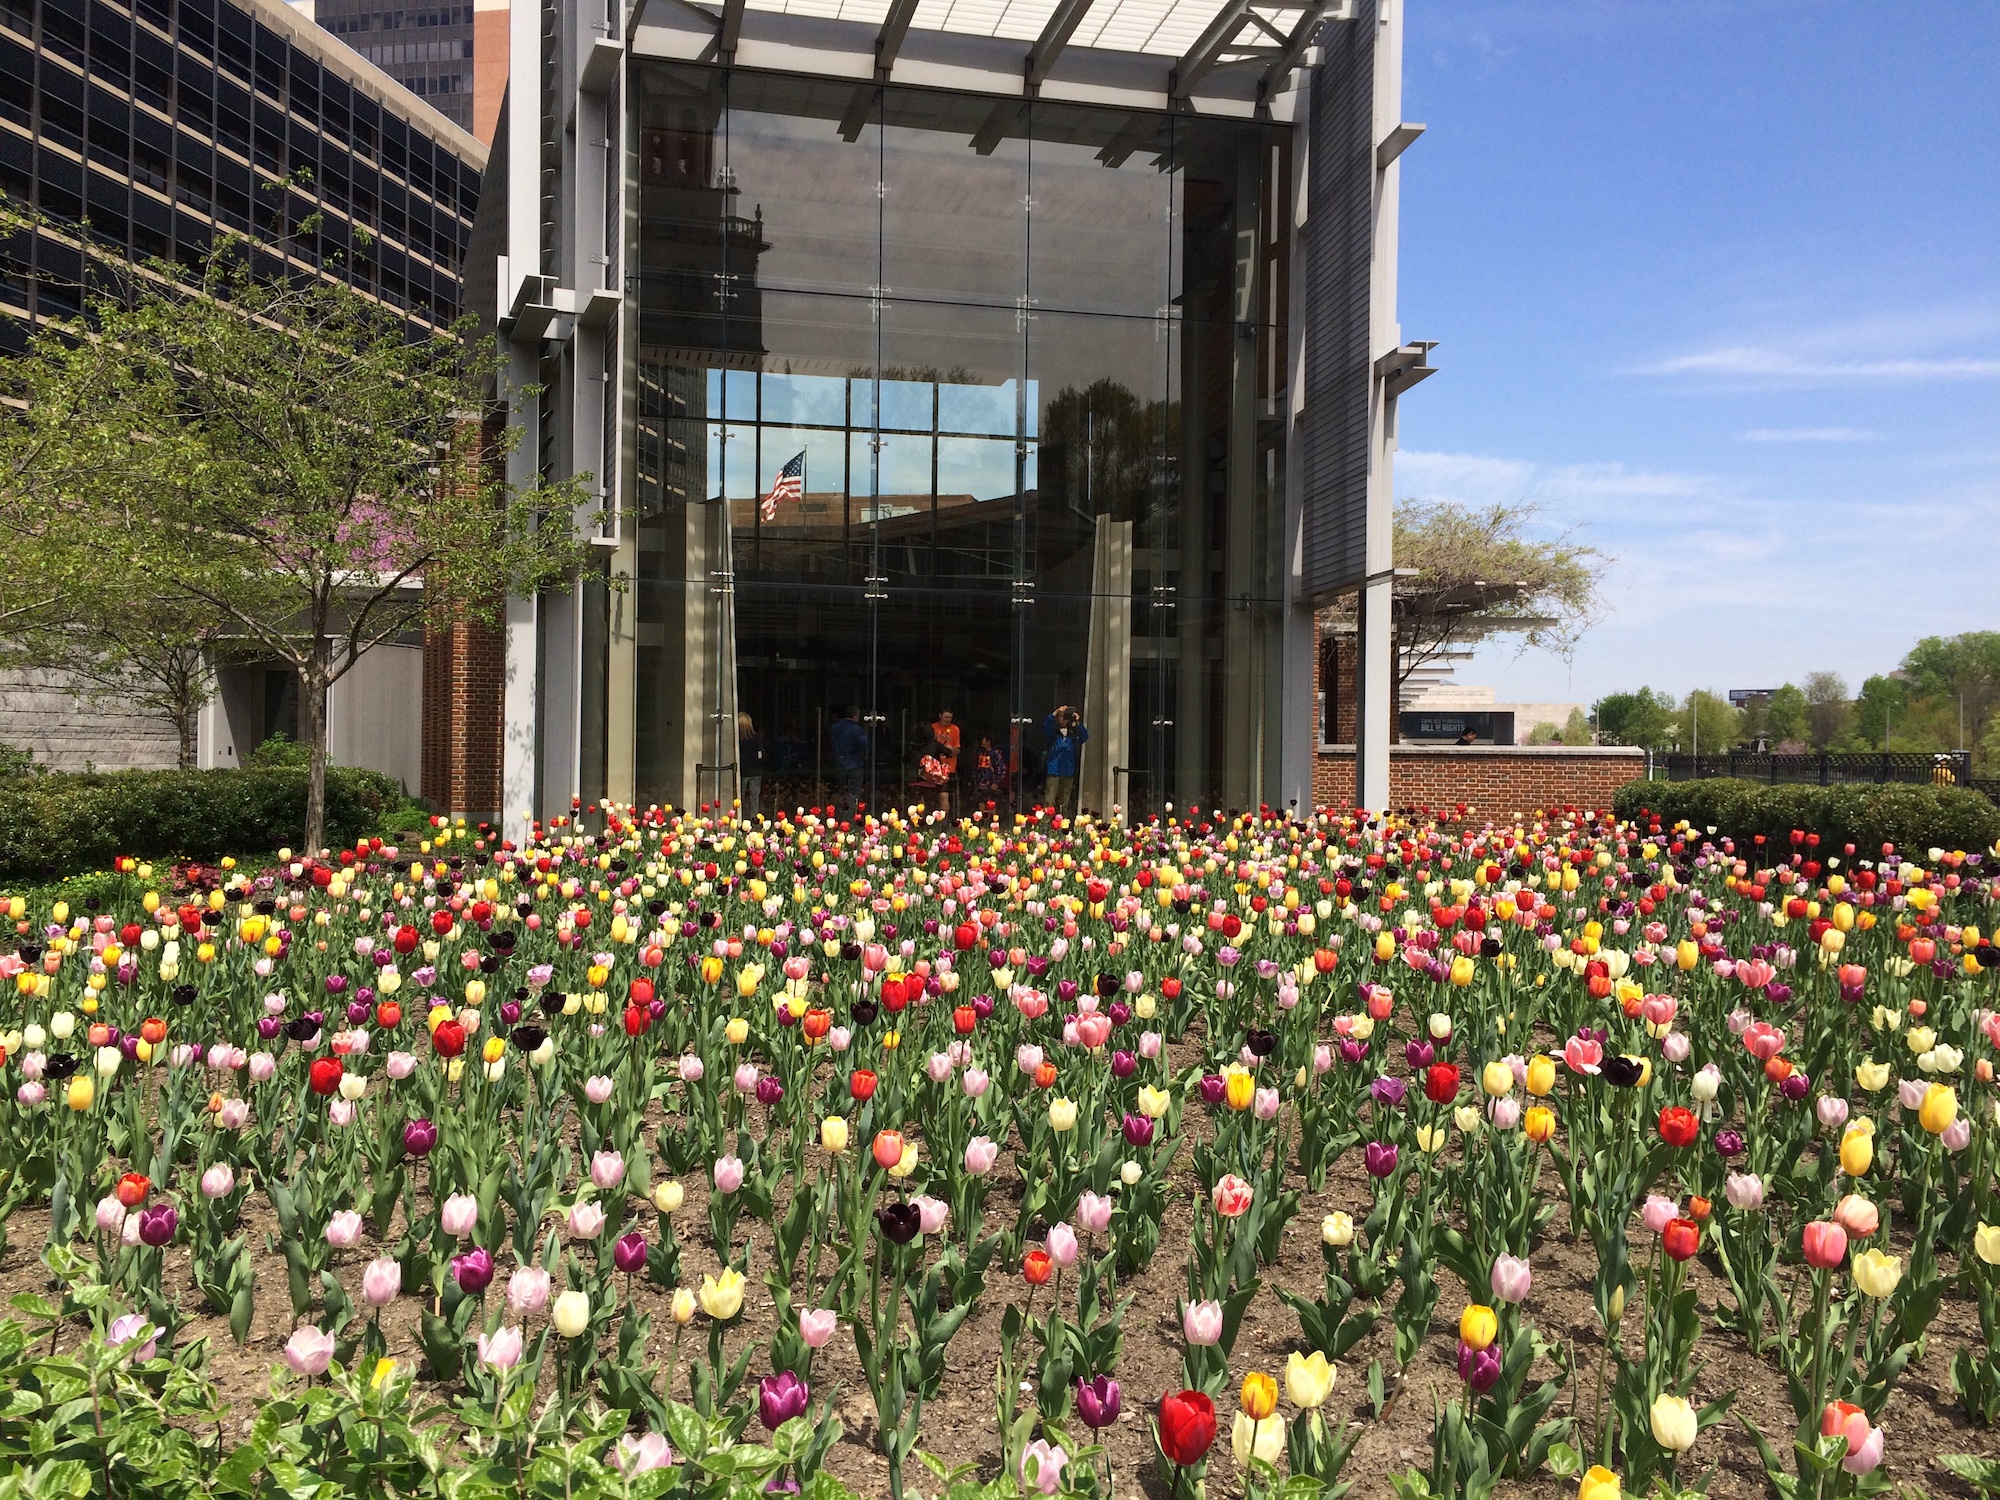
{"points": [[927, 356], [454, 56], [158, 129]]}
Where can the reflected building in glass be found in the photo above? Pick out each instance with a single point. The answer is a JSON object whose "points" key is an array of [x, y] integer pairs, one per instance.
{"points": [[920, 369]]}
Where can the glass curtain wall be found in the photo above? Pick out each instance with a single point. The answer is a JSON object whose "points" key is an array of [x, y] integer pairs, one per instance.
{"points": [[954, 405]]}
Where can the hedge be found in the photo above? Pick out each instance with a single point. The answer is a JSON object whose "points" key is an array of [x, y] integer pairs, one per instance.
{"points": [[62, 823], [1913, 818]]}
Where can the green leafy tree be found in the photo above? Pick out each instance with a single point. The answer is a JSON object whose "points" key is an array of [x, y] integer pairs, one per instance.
{"points": [[1827, 707], [1708, 723], [287, 457], [1963, 672], [1877, 711], [1785, 717], [1643, 718]]}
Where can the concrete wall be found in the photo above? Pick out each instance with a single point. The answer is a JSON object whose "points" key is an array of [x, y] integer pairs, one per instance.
{"points": [[39, 713], [1496, 781], [375, 714]]}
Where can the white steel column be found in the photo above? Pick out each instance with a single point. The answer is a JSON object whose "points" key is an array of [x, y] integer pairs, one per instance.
{"points": [[1375, 729]]}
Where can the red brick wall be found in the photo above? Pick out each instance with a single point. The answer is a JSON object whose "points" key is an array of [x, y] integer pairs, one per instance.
{"points": [[465, 670], [1495, 781], [1338, 668]]}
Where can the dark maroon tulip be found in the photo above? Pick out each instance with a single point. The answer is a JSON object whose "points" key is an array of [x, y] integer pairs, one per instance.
{"points": [[157, 1224]]}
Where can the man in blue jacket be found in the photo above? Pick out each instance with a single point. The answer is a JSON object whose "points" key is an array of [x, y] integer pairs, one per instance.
{"points": [[850, 760], [1064, 735]]}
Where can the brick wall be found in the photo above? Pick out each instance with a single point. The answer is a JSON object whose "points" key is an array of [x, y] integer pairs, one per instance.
{"points": [[1491, 780], [465, 670]]}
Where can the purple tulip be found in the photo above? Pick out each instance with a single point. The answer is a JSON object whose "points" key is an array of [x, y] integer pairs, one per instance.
{"points": [[1381, 1157], [1119, 1012], [1066, 991], [1388, 1092], [157, 1224], [1352, 1051], [1796, 1086], [628, 1252], [769, 1090], [1138, 1130], [357, 1012], [420, 1137], [473, 1271], [1729, 1143], [1479, 1368], [1213, 1088], [1097, 1402], [1419, 1054], [982, 1007], [1123, 1064], [781, 1397]]}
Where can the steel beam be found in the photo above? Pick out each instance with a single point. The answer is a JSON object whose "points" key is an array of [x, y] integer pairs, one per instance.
{"points": [[1055, 36]]}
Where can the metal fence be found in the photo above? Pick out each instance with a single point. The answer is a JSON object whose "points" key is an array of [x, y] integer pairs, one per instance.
{"points": [[1875, 767]]}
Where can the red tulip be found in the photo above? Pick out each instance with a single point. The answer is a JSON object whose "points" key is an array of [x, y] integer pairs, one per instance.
{"points": [[1678, 1125], [388, 1014], [325, 1075], [448, 1039], [1825, 1244], [1441, 1083], [637, 1018], [133, 1188], [1187, 1427], [1681, 1238], [862, 1085], [1037, 1267], [406, 939]]}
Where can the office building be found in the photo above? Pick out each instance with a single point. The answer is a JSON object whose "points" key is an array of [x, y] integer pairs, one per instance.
{"points": [[928, 357]]}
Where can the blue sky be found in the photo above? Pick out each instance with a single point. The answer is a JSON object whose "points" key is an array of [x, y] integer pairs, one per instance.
{"points": [[1717, 287]]}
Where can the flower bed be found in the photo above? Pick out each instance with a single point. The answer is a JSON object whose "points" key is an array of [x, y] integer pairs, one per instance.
{"points": [[698, 1157]]}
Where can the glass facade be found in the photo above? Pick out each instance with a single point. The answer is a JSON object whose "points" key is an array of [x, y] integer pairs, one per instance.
{"points": [[425, 48], [1027, 406], [158, 128]]}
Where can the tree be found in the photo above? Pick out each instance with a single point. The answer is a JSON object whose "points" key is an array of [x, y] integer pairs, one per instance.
{"points": [[1708, 724], [1880, 708], [287, 456], [1827, 707], [1785, 717], [1576, 728], [1642, 718], [1963, 669], [1479, 573]]}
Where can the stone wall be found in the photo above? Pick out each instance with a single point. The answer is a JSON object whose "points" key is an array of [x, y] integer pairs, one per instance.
{"points": [[38, 713], [1496, 781]]}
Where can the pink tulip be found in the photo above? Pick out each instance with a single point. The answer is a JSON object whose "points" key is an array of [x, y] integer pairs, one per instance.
{"points": [[1857, 1216], [932, 1214], [110, 1215], [528, 1290], [975, 1082], [597, 1088], [401, 1064], [381, 1282], [234, 1115], [263, 1067], [1264, 1104], [1093, 1213], [1232, 1196], [691, 1069], [218, 1181], [1511, 1278], [500, 1350], [607, 1170], [459, 1214], [1062, 1244], [641, 1455], [1832, 1112], [938, 1067], [308, 1352], [728, 1174], [746, 1078], [1201, 1323], [586, 1221], [980, 1155], [817, 1325], [1658, 1212], [343, 1229], [1825, 1244]]}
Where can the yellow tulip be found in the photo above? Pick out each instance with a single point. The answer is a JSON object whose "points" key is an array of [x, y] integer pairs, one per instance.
{"points": [[1497, 1079], [1461, 971], [1259, 1396], [737, 1032], [1308, 1380], [82, 1091], [668, 1196], [1541, 1075], [1478, 1326], [1259, 1438], [1337, 1230], [1153, 1103], [684, 1307], [1939, 1109], [1872, 1076], [1239, 1086], [1876, 1272], [1986, 1243], [571, 1313], [833, 1135], [1599, 1483], [1857, 1152], [1062, 1115], [1539, 1123], [722, 1296], [1674, 1423]]}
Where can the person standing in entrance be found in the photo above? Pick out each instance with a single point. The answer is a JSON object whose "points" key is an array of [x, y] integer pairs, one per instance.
{"points": [[850, 759], [749, 766], [1066, 736]]}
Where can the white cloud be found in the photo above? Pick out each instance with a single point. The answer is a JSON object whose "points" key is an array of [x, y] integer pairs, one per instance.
{"points": [[1480, 479], [1750, 361], [1810, 435]]}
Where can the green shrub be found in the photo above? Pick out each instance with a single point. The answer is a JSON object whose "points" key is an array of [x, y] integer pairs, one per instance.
{"points": [[1913, 818], [59, 823]]}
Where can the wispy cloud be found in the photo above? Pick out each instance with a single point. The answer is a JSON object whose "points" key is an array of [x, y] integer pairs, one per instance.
{"points": [[1753, 362], [1482, 479], [1810, 435]]}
